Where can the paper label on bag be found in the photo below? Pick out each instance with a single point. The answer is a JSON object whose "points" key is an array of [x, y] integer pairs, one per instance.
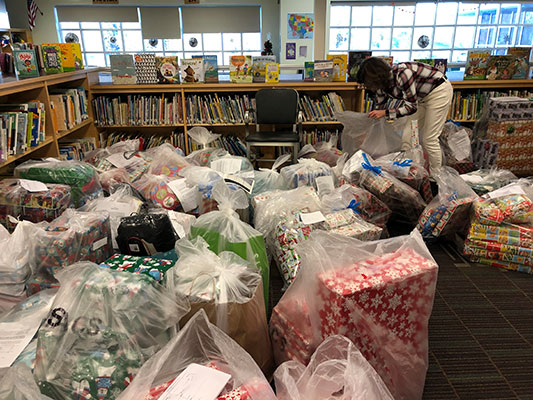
{"points": [[312, 218], [33, 186], [227, 165], [134, 247], [246, 184], [15, 336], [180, 231], [119, 161], [513, 188], [324, 185], [473, 179], [197, 383], [186, 195], [99, 243], [460, 145]]}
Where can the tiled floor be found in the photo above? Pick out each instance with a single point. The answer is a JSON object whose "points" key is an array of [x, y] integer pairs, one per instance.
{"points": [[480, 332]]}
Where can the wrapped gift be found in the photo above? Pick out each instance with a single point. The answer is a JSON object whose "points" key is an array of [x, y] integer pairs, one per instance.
{"points": [[23, 204], [154, 268], [166, 161], [383, 305], [503, 264], [516, 235], [516, 208], [80, 176], [156, 189], [305, 173], [487, 212], [487, 180], [41, 281], [472, 250]]}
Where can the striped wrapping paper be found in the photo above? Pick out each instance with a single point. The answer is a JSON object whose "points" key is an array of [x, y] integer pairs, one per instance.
{"points": [[516, 235]]}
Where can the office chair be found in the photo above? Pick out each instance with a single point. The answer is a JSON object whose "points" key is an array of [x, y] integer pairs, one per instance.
{"points": [[275, 107]]}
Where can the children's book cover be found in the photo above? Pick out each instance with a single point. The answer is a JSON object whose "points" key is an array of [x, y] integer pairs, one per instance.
{"points": [[52, 58], [272, 73], [309, 71], [500, 67], [340, 63], [145, 68], [192, 70], [476, 64], [71, 56], [167, 69], [26, 63], [323, 71], [521, 64], [355, 58], [210, 68], [259, 67], [440, 63], [240, 69], [389, 60], [122, 69]]}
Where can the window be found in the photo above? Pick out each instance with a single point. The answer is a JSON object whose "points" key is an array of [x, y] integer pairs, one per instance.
{"points": [[100, 39], [430, 29]]}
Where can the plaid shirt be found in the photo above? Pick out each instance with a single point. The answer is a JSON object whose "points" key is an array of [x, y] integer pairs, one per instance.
{"points": [[412, 81]]}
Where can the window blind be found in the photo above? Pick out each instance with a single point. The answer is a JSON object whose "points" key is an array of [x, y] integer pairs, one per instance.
{"points": [[97, 14], [160, 23], [225, 19]]}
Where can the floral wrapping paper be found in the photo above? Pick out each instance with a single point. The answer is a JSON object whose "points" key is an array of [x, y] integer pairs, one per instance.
{"points": [[516, 235], [32, 206], [383, 305], [39, 282], [503, 264], [154, 268]]}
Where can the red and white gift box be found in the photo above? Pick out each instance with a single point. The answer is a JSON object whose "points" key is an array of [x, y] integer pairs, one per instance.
{"points": [[383, 305]]}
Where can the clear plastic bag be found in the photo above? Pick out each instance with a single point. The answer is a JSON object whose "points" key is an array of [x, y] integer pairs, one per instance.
{"points": [[327, 152], [166, 161], [202, 343], [110, 179], [98, 157], [80, 176], [335, 293], [448, 212], [229, 164], [304, 173], [204, 179], [486, 180], [224, 231], [23, 204], [308, 151], [103, 325], [266, 179], [230, 290], [375, 137], [337, 370], [456, 143], [202, 137], [156, 189], [17, 383]]}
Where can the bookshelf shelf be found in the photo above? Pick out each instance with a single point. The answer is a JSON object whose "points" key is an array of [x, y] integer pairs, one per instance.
{"points": [[493, 84], [87, 122], [15, 157], [140, 126]]}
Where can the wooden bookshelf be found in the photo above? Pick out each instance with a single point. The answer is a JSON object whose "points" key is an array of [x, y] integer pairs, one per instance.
{"points": [[493, 84]]}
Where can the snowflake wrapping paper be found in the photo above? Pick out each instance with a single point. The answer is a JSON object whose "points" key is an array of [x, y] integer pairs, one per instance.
{"points": [[517, 235], [383, 305]]}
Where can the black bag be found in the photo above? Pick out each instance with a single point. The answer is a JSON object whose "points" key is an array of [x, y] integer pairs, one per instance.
{"points": [[145, 234]]}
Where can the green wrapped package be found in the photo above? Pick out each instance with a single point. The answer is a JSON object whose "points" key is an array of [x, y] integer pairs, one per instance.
{"points": [[152, 267], [224, 231]]}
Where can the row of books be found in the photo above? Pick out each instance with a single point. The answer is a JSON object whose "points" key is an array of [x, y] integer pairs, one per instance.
{"points": [[69, 108], [469, 106], [232, 144], [146, 142], [317, 135], [321, 109], [370, 103], [52, 58], [137, 110], [482, 65], [21, 126], [214, 109], [76, 149]]}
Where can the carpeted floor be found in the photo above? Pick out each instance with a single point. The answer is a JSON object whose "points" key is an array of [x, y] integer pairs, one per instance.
{"points": [[480, 332]]}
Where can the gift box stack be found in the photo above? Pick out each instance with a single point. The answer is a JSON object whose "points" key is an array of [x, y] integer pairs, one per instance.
{"points": [[501, 233], [154, 268]]}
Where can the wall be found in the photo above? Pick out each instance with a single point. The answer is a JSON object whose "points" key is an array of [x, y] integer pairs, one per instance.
{"points": [[294, 6], [45, 29]]}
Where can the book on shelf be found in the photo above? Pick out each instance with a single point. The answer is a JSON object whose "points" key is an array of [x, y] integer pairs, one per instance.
{"points": [[240, 69], [309, 71], [272, 72], [440, 63], [192, 70], [138, 110], [323, 71], [210, 67], [26, 63], [259, 67], [76, 149], [521, 64], [215, 109], [52, 60], [321, 109], [476, 65], [122, 69], [70, 107], [340, 62], [500, 67], [355, 58], [145, 142], [167, 69], [314, 136], [145, 68], [71, 57], [232, 144]]}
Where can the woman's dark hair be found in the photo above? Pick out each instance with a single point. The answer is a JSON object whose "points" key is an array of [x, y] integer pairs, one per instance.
{"points": [[375, 73]]}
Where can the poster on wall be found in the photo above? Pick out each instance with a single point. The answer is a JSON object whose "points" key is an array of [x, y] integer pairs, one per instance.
{"points": [[300, 26], [290, 51]]}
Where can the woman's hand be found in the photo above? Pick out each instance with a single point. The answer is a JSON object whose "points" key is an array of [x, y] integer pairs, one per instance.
{"points": [[377, 114]]}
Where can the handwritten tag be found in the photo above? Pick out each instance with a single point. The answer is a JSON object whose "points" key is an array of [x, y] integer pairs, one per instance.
{"points": [[119, 161], [15, 336], [312, 218], [99, 243], [186, 195]]}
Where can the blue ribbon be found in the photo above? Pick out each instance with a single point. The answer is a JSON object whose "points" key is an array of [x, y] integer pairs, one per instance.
{"points": [[404, 163], [366, 165], [353, 206]]}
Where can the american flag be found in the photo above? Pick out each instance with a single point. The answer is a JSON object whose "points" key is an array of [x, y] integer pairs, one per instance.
{"points": [[32, 13]]}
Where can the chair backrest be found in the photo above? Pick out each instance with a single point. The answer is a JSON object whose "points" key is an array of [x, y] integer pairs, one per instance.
{"points": [[276, 106]]}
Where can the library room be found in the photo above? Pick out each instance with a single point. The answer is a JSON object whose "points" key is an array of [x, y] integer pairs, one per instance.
{"points": [[268, 199]]}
